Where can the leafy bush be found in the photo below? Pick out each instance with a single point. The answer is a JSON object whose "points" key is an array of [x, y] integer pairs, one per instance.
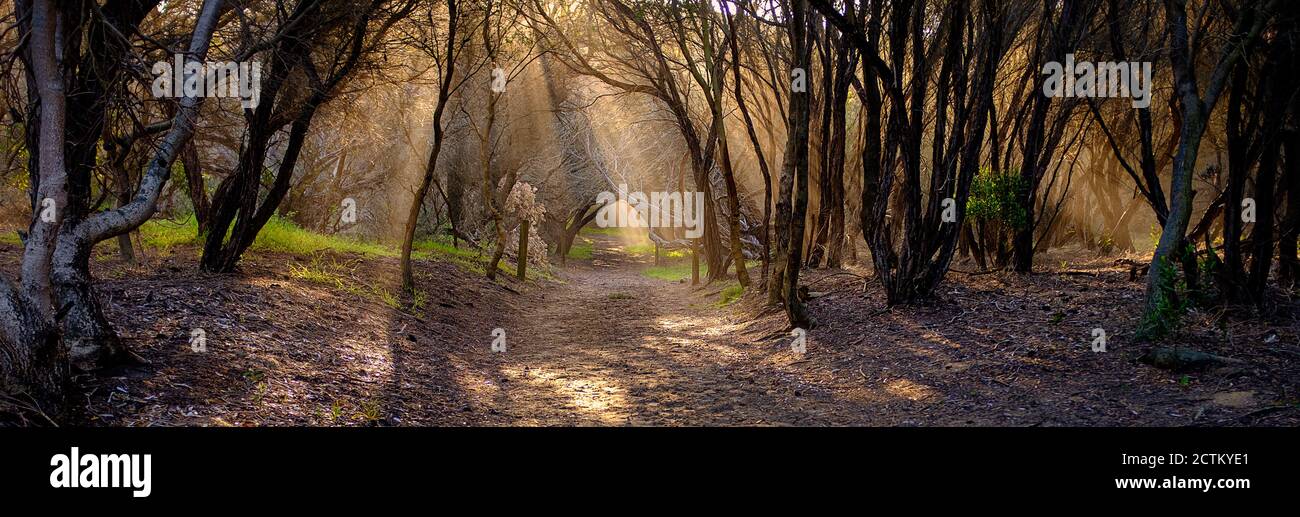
{"points": [[995, 213], [993, 199]]}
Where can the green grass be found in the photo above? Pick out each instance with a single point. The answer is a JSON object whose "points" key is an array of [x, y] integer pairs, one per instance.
{"points": [[10, 237], [163, 234], [648, 250], [317, 272], [282, 235], [582, 248], [592, 229], [677, 269], [674, 272], [730, 294], [279, 235]]}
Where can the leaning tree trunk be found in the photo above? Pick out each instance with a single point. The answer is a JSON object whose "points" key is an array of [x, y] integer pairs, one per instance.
{"points": [[430, 165], [1161, 293]]}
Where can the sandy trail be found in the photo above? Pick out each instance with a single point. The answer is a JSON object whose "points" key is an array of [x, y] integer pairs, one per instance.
{"points": [[613, 347]]}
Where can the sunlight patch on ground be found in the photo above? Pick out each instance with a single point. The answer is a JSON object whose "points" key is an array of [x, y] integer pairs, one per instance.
{"points": [[697, 326], [910, 390], [594, 397]]}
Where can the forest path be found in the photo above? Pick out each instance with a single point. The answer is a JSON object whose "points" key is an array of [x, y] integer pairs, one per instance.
{"points": [[614, 347]]}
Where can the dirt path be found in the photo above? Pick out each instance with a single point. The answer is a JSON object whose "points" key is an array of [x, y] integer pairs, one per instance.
{"points": [[613, 347]]}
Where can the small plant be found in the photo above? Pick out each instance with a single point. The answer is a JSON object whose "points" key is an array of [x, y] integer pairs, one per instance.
{"points": [[370, 411], [259, 391], [1106, 245], [389, 298], [254, 375], [1170, 304], [995, 213], [419, 299], [993, 198], [336, 409], [317, 272]]}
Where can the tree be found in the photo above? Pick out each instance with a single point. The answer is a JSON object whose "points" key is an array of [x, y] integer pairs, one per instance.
{"points": [[446, 63], [239, 209], [968, 50], [55, 259], [792, 205], [1161, 295]]}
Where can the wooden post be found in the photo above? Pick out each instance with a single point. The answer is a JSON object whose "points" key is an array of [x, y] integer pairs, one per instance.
{"points": [[523, 250], [695, 263]]}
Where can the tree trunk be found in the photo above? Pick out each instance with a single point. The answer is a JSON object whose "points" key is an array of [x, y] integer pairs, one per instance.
{"points": [[794, 174], [430, 165]]}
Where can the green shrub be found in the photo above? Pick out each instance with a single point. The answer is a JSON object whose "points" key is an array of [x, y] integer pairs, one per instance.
{"points": [[993, 199]]}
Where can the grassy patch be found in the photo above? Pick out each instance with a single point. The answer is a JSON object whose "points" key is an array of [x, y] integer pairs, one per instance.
{"points": [[163, 234], [582, 248], [282, 235], [10, 237], [592, 229], [316, 272], [647, 249], [674, 272], [730, 294]]}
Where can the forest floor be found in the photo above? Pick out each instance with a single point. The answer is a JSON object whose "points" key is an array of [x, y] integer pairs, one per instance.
{"points": [[323, 339]]}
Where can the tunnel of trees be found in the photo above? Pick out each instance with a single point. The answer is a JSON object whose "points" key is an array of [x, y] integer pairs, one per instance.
{"points": [[904, 137]]}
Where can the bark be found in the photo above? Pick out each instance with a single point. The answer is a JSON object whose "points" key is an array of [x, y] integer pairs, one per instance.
{"points": [[236, 209], [33, 371], [1040, 137], [196, 187], [1288, 262], [794, 174], [910, 270], [718, 78]]}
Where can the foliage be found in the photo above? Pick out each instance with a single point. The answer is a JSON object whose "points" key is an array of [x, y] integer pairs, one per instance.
{"points": [[993, 198], [1170, 303]]}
